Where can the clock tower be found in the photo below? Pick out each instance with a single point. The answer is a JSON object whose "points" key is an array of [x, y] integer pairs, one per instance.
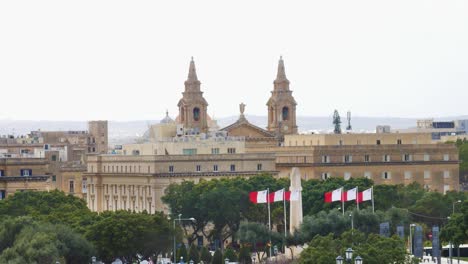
{"points": [[281, 105]]}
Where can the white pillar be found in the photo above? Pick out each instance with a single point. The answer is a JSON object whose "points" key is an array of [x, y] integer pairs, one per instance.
{"points": [[295, 208]]}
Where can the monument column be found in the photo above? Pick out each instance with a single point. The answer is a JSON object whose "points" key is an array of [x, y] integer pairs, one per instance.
{"points": [[295, 209]]}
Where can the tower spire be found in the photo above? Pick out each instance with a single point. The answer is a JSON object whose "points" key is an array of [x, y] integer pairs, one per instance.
{"points": [[281, 82], [192, 75]]}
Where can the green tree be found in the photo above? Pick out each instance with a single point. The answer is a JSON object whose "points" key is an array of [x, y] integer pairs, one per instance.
{"points": [[230, 254], [205, 255], [193, 254], [217, 257], [123, 233], [54, 207], [337, 122], [321, 250]]}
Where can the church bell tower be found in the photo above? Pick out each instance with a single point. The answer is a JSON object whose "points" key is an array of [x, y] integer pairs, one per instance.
{"points": [[281, 105], [193, 106]]}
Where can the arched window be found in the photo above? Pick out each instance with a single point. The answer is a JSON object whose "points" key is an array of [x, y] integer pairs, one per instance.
{"points": [[285, 113], [196, 114]]}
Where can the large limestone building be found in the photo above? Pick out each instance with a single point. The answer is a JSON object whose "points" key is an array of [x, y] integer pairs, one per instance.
{"points": [[189, 148]]}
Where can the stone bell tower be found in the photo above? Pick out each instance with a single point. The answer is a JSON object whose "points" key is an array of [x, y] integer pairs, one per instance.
{"points": [[281, 105], [192, 106]]}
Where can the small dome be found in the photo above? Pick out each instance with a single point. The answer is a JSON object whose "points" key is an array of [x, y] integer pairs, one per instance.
{"points": [[167, 119]]}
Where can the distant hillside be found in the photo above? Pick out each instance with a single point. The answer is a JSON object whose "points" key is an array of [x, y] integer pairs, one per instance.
{"points": [[127, 131]]}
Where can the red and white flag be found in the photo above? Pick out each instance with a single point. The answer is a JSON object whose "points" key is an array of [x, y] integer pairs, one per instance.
{"points": [[365, 195], [350, 195], [276, 196], [258, 197], [333, 196]]}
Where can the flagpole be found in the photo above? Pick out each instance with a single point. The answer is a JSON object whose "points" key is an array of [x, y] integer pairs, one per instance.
{"points": [[285, 221], [357, 197], [342, 199], [372, 192], [269, 219]]}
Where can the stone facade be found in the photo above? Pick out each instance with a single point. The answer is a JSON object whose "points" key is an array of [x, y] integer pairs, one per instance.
{"points": [[23, 174], [138, 182], [434, 166]]}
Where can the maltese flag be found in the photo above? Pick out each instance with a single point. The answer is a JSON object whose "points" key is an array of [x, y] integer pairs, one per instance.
{"points": [[333, 196], [351, 195], [258, 197], [276, 196], [366, 195]]}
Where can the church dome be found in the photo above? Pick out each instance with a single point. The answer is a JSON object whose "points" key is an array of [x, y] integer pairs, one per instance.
{"points": [[166, 119]]}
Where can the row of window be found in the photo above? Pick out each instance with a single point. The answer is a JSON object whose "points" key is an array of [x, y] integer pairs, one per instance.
{"points": [[23, 172], [193, 151], [232, 167], [386, 175], [385, 158], [198, 168]]}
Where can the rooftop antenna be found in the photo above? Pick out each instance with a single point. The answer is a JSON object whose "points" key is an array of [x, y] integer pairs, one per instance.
{"points": [[349, 121]]}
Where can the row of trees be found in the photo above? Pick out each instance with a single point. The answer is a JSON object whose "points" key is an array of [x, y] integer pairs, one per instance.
{"points": [[44, 227], [246, 222]]}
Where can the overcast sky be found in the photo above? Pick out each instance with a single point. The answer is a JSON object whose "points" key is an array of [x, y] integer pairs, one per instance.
{"points": [[128, 60]]}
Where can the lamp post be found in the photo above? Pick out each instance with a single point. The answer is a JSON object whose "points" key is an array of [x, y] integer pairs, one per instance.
{"points": [[93, 259], [180, 220], [411, 238], [339, 260], [358, 260], [349, 255]]}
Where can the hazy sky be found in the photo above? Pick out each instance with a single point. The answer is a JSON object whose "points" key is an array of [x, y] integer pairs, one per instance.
{"points": [[124, 60]]}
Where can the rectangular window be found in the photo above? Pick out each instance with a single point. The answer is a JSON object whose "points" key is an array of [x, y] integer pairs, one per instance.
{"points": [[348, 158], [233, 167], [408, 175], [368, 174], [259, 167], [2, 173], [215, 151], [446, 174], [325, 159], [54, 158], [366, 158], [426, 157], [325, 175], [386, 158], [407, 157], [26, 172], [446, 157], [378, 142], [215, 167], [171, 168], [189, 151], [231, 150], [398, 141], [427, 174], [198, 168], [347, 176], [2, 194], [386, 175], [72, 186], [54, 178]]}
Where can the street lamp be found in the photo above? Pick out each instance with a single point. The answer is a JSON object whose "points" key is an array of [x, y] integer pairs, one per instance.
{"points": [[411, 238], [339, 260], [226, 261], [93, 259], [453, 206], [349, 255], [180, 220], [358, 260]]}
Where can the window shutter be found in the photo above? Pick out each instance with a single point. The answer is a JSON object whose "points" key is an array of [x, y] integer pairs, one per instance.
{"points": [[30, 172]]}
